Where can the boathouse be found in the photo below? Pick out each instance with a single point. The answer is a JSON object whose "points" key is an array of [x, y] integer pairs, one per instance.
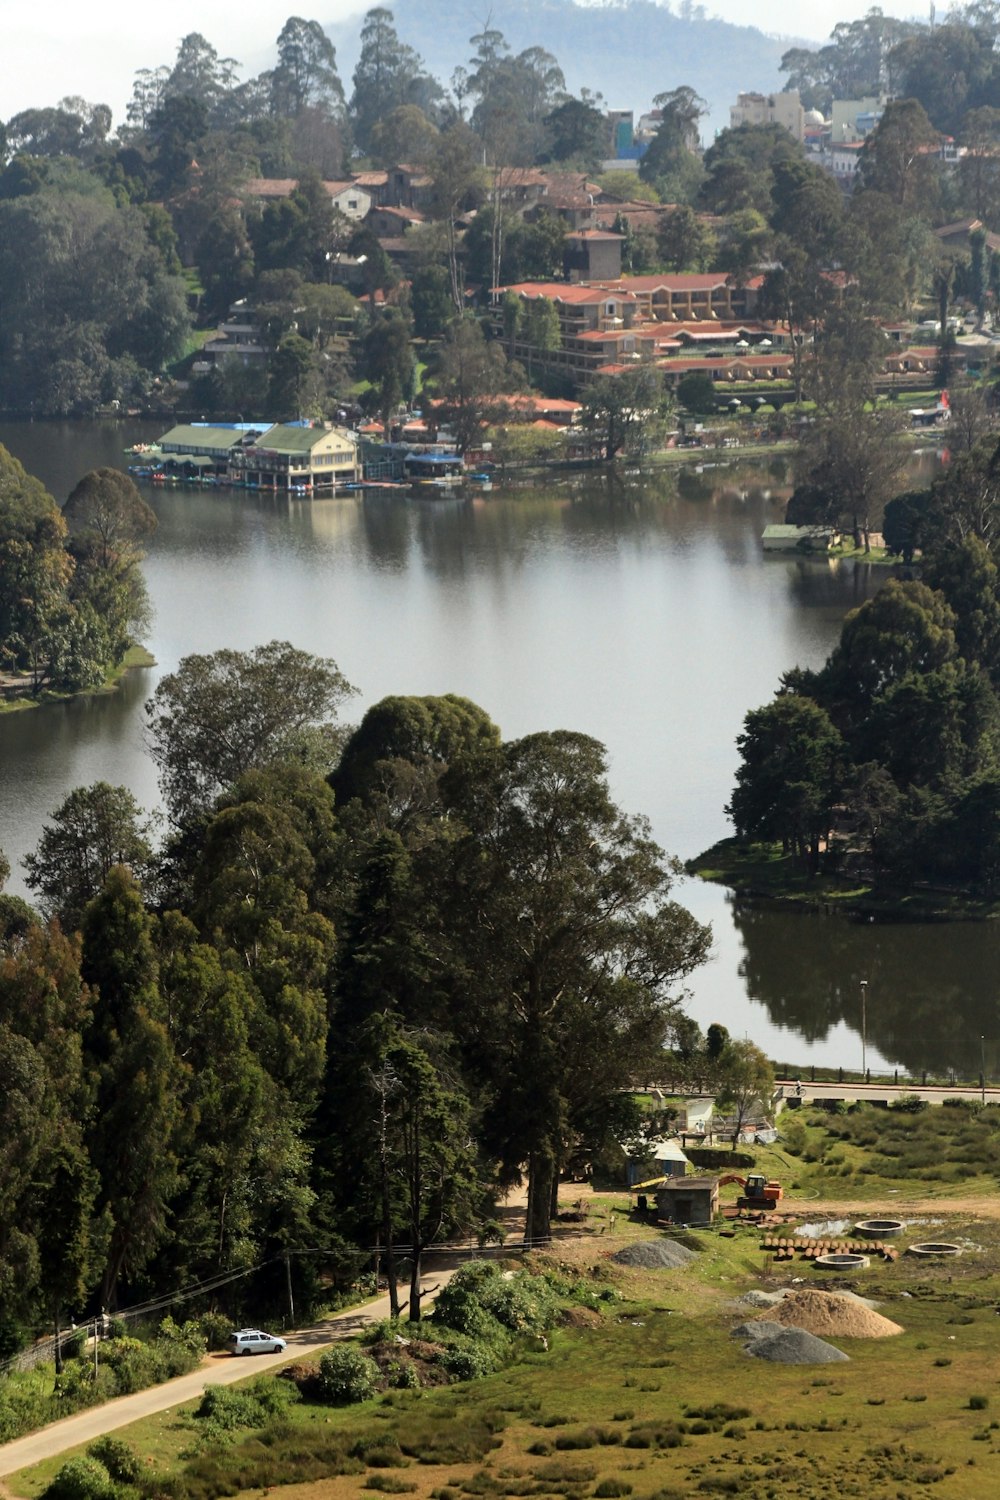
{"points": [[298, 460]]}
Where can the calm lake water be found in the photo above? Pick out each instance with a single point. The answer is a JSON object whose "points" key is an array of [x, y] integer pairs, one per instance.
{"points": [[640, 610]]}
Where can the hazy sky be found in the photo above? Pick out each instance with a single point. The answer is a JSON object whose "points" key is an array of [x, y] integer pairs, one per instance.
{"points": [[94, 50]]}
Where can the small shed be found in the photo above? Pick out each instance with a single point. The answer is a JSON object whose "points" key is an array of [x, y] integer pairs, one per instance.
{"points": [[689, 1200]]}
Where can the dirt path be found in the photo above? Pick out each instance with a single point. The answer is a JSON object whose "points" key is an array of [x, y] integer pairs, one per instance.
{"points": [[218, 1369]]}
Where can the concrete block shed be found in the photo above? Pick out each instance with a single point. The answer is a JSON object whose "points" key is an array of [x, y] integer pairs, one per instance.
{"points": [[689, 1200]]}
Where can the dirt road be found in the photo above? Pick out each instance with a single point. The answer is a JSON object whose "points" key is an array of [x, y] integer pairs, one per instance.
{"points": [[218, 1369]]}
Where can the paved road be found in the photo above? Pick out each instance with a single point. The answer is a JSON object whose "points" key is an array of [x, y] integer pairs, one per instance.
{"points": [[218, 1369]]}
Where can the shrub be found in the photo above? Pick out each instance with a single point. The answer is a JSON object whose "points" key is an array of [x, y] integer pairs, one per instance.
{"points": [[348, 1375], [81, 1479], [215, 1330], [134, 1363], [978, 1403], [470, 1361], [121, 1461], [228, 1408], [611, 1489]]}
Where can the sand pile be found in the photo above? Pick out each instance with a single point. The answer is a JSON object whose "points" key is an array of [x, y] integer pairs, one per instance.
{"points": [[655, 1255], [830, 1314]]}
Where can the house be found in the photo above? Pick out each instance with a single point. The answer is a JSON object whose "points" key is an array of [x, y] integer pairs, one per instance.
{"points": [[298, 459], [352, 200], [237, 338], [780, 538], [689, 1200]]}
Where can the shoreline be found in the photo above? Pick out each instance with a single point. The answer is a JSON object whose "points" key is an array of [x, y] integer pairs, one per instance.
{"points": [[761, 875], [136, 657]]}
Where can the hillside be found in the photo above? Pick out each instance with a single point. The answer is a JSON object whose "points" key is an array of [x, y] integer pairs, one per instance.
{"points": [[628, 52]]}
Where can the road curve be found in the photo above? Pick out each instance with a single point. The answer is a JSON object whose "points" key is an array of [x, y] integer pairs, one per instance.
{"points": [[218, 1369]]}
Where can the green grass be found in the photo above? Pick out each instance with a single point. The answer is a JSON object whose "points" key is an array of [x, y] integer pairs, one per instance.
{"points": [[663, 1402], [655, 1400]]}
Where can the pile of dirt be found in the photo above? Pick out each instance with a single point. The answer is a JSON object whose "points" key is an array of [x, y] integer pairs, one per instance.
{"points": [[830, 1313], [655, 1255], [794, 1346], [580, 1317]]}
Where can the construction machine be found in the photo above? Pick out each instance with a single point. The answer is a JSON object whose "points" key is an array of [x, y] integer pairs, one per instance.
{"points": [[758, 1190]]}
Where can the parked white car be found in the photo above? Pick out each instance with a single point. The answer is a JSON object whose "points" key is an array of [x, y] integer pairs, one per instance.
{"points": [[254, 1341]]}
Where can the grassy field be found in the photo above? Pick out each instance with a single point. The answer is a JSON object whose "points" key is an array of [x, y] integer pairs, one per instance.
{"points": [[652, 1398]]}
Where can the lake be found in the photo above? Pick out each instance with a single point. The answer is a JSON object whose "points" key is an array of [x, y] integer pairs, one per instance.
{"points": [[637, 608]]}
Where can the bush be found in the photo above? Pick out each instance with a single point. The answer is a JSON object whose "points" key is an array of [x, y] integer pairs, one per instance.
{"points": [[348, 1375], [228, 1408], [121, 1461], [215, 1330], [611, 1489], [135, 1365], [978, 1403], [471, 1361], [80, 1479]]}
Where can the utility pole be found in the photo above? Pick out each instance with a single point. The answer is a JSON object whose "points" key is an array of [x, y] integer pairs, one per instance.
{"points": [[982, 1065], [864, 1028], [288, 1282]]}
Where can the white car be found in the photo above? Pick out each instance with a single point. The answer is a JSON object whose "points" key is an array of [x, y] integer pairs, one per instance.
{"points": [[253, 1341]]}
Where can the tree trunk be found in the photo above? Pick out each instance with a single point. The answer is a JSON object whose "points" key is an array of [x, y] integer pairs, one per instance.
{"points": [[415, 1292], [541, 1169], [59, 1358], [390, 1258]]}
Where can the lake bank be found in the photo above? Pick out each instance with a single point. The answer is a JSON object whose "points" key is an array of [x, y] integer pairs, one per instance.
{"points": [[763, 873], [11, 702]]}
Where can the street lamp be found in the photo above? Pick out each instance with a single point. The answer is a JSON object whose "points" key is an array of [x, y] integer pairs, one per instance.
{"points": [[864, 1029]]}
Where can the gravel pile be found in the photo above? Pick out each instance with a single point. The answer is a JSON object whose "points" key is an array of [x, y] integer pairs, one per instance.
{"points": [[760, 1328], [830, 1313], [655, 1255], [758, 1298], [794, 1346]]}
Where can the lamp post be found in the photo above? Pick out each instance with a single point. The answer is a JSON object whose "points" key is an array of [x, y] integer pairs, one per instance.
{"points": [[982, 1065], [864, 1029]]}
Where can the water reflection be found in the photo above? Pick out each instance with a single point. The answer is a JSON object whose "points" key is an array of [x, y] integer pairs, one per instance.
{"points": [[932, 987]]}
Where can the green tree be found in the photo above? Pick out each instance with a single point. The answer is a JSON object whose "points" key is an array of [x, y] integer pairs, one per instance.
{"points": [[684, 241], [577, 132], [626, 413], [473, 376], [560, 913], [434, 731], [669, 160], [388, 75], [387, 363], [696, 392], [746, 1080], [136, 1135], [221, 715], [896, 159], [94, 829], [306, 75], [789, 778]]}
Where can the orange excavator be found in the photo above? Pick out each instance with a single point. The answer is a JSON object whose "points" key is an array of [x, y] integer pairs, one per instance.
{"points": [[758, 1191]]}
